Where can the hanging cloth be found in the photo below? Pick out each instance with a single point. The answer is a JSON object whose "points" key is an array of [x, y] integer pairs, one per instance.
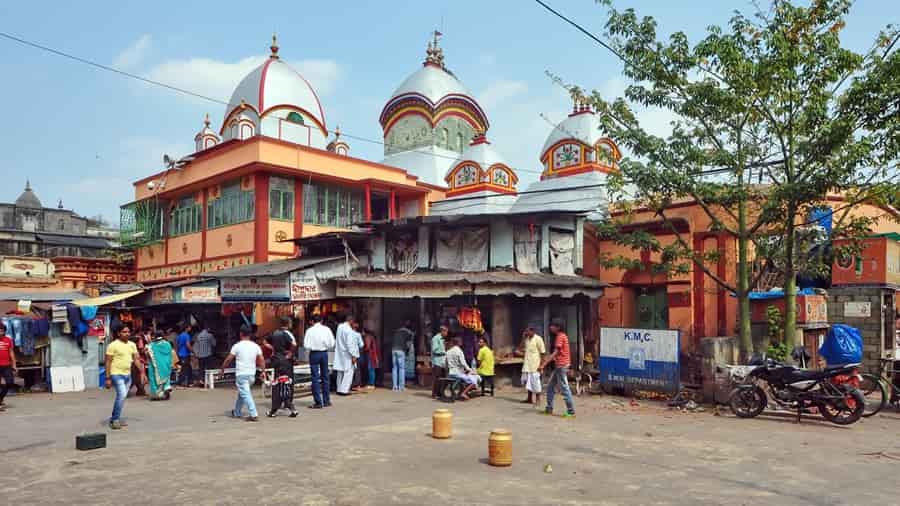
{"points": [[88, 313]]}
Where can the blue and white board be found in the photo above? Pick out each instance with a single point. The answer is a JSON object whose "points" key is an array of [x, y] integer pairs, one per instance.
{"points": [[643, 359]]}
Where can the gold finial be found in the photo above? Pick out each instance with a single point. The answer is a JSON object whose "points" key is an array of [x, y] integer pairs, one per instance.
{"points": [[243, 104], [274, 47], [206, 120]]}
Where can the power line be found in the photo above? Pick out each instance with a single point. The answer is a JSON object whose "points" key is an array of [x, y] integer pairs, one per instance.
{"points": [[198, 95], [107, 68], [580, 29]]}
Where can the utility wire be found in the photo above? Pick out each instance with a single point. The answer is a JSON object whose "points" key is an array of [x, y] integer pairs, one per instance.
{"points": [[582, 30], [107, 68], [199, 95]]}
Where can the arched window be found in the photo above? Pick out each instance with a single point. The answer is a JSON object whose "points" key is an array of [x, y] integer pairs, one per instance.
{"points": [[295, 117], [246, 131], [460, 143], [445, 138]]}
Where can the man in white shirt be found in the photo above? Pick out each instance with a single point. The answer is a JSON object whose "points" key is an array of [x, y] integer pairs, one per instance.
{"points": [[346, 353], [247, 357], [318, 340]]}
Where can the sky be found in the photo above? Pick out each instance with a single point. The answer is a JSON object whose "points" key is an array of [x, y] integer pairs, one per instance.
{"points": [[83, 135]]}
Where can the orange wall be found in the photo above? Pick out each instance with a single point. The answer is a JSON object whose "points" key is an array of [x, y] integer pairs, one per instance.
{"points": [[286, 228], [185, 248], [241, 240], [152, 255]]}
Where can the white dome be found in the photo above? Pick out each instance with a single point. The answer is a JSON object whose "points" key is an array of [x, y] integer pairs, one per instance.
{"points": [[431, 82], [480, 152], [275, 84], [582, 125]]}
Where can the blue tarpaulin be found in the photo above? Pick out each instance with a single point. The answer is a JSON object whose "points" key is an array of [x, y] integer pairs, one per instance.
{"points": [[778, 294], [842, 345]]}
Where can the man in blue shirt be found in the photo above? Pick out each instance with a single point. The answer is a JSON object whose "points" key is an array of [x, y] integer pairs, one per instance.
{"points": [[185, 350]]}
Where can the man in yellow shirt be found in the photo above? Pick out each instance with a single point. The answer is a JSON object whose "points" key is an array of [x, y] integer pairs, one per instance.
{"points": [[485, 369], [120, 354]]}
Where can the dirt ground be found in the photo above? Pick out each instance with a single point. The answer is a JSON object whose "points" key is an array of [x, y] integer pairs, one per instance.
{"points": [[375, 449]]}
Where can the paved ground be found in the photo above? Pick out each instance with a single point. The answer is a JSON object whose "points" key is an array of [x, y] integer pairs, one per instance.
{"points": [[375, 449]]}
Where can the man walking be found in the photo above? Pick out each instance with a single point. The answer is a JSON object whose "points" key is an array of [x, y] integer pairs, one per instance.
{"points": [[559, 378], [400, 342], [185, 350], [532, 351], [346, 353], [247, 357], [204, 348], [438, 360], [318, 340], [283, 345], [7, 364], [120, 354]]}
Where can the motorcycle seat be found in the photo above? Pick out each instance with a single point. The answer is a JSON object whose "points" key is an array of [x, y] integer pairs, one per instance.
{"points": [[841, 366], [808, 374]]}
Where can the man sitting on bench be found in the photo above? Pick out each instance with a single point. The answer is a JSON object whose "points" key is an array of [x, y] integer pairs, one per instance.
{"points": [[485, 365], [456, 363]]}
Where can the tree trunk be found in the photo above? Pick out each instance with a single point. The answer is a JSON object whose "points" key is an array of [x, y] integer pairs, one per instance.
{"points": [[745, 338], [790, 283]]}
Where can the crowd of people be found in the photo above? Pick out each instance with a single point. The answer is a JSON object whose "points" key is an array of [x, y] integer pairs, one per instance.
{"points": [[157, 360]]}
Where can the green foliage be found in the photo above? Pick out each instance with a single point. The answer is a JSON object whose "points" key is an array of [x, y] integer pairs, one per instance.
{"points": [[778, 351], [774, 320], [771, 98]]}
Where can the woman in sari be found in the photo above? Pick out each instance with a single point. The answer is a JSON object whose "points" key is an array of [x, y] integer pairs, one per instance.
{"points": [[161, 361]]}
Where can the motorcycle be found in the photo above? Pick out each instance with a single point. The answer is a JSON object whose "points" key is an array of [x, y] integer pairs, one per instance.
{"points": [[832, 391]]}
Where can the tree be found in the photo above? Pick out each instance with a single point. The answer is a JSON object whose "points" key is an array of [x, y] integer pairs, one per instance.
{"points": [[773, 99]]}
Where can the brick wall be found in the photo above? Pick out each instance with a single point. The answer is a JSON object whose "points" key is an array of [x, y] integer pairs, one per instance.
{"points": [[871, 328]]}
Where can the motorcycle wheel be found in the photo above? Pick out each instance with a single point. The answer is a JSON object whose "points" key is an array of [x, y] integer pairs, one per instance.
{"points": [[748, 402], [875, 393], [854, 404]]}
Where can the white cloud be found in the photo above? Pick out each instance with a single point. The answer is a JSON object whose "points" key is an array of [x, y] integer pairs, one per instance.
{"points": [[133, 55], [217, 79], [499, 91]]}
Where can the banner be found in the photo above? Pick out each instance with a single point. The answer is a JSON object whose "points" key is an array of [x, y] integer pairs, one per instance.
{"points": [[641, 359], [200, 294], [263, 288], [305, 286]]}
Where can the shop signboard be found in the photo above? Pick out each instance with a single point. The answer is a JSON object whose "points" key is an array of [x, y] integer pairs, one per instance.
{"points": [[640, 359], [249, 289], [162, 295], [306, 286], [857, 309], [200, 294]]}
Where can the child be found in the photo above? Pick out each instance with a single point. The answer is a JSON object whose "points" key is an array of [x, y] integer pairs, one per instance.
{"points": [[371, 350], [485, 365]]}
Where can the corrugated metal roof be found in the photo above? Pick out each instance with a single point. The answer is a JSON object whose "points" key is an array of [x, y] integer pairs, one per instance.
{"points": [[74, 240], [49, 295], [181, 282], [447, 284], [505, 277], [274, 268]]}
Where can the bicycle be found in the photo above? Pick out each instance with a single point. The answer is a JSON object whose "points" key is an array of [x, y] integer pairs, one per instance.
{"points": [[875, 388]]}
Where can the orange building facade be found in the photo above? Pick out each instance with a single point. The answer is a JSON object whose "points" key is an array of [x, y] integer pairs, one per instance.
{"points": [[692, 303], [268, 175]]}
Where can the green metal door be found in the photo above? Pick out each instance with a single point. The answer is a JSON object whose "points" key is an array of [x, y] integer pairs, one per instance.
{"points": [[652, 311]]}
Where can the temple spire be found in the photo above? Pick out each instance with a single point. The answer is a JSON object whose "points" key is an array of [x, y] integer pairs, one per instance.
{"points": [[274, 47]]}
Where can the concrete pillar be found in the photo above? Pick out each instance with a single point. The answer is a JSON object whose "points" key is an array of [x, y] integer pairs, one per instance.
{"points": [[501, 326]]}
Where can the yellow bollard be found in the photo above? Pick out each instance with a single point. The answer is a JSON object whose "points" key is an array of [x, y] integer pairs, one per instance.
{"points": [[500, 448], [441, 424]]}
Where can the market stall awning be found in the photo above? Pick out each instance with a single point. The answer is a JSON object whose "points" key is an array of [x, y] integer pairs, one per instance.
{"points": [[273, 268], [106, 299], [448, 284]]}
